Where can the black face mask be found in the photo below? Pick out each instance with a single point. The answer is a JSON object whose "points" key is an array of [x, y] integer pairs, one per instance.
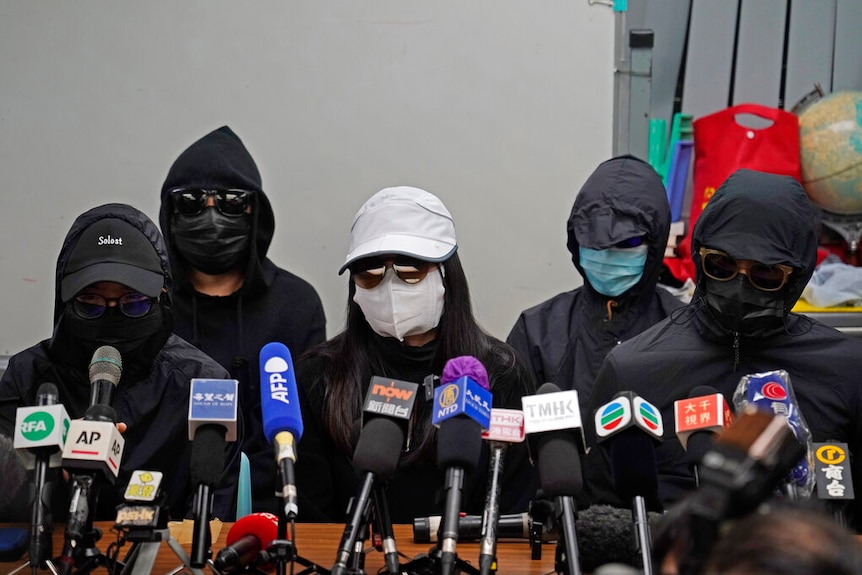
{"points": [[211, 242], [740, 307], [112, 328]]}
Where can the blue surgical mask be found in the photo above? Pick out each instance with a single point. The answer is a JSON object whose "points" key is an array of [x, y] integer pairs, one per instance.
{"points": [[614, 270]]}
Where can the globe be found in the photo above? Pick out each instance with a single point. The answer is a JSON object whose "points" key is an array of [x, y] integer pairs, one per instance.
{"points": [[830, 146]]}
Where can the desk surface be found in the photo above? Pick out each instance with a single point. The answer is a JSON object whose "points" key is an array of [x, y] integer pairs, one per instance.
{"points": [[318, 544]]}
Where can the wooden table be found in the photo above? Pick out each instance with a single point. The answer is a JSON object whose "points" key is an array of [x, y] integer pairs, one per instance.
{"points": [[318, 544]]}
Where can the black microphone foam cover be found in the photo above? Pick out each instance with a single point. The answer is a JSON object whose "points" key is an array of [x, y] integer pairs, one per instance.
{"points": [[207, 459], [633, 465], [459, 443], [48, 394], [605, 535], [379, 448], [699, 442], [559, 464]]}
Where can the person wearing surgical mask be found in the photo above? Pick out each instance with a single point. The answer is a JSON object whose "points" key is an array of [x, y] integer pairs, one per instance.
{"points": [[617, 232], [754, 249], [408, 313]]}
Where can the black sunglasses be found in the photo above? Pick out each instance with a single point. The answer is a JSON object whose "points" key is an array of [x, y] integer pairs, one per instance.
{"points": [[192, 201], [133, 304]]}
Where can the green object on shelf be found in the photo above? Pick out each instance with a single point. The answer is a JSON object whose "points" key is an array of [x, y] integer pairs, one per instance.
{"points": [[657, 150]]}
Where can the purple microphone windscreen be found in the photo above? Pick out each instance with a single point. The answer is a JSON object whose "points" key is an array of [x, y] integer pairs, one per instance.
{"points": [[279, 398], [379, 448], [465, 365], [459, 444]]}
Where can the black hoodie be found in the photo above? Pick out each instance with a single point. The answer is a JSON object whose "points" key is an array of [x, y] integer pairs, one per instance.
{"points": [[565, 339], [769, 219], [272, 304], [151, 398]]}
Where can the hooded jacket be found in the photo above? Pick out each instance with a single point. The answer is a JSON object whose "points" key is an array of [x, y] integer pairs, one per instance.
{"points": [[565, 339], [272, 304], [768, 219], [151, 397]]}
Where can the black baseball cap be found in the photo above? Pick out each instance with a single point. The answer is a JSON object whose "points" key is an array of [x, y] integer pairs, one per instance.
{"points": [[113, 250]]}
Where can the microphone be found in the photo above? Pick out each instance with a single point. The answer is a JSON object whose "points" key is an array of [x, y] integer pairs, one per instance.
{"points": [[388, 414], [282, 419], [746, 463], [462, 409], [246, 539], [833, 477], [41, 433], [106, 366], [506, 426], [629, 427], [698, 420], [552, 418], [772, 392], [212, 423]]}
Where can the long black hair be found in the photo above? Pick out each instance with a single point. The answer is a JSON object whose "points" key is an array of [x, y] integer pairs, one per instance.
{"points": [[352, 357]]}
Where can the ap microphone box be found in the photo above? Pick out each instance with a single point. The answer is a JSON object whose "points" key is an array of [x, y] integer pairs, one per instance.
{"points": [[94, 445]]}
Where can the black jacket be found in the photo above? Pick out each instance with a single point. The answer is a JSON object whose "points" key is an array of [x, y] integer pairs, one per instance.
{"points": [[151, 399], [272, 305], [565, 339], [762, 218]]}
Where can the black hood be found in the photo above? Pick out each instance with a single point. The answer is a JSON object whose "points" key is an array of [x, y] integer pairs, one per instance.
{"points": [[220, 160], [761, 217], [623, 198]]}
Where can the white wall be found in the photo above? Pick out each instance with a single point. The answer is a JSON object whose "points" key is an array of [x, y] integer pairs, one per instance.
{"points": [[500, 107]]}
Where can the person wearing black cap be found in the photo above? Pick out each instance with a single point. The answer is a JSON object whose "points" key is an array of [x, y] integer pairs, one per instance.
{"points": [[617, 233], [754, 249], [112, 289], [409, 312], [229, 298]]}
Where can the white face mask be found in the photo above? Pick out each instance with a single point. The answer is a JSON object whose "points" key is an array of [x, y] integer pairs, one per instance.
{"points": [[397, 309]]}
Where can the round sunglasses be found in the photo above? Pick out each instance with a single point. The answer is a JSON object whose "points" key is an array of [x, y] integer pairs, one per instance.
{"points": [[133, 305], [410, 273]]}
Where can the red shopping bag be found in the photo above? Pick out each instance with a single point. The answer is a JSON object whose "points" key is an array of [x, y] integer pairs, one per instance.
{"points": [[722, 145]]}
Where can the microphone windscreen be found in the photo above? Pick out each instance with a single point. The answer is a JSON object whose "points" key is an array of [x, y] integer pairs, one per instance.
{"points": [[459, 444], [107, 364], [101, 412], [548, 387], [559, 464], [207, 459], [633, 465], [264, 526], [379, 448], [47, 394], [701, 391], [465, 366], [605, 536], [279, 398]]}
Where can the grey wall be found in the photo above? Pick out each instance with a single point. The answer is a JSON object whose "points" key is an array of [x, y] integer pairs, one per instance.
{"points": [[500, 107]]}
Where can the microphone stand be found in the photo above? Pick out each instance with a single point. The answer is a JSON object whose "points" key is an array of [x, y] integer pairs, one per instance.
{"points": [[355, 530], [282, 551], [566, 560], [384, 526], [79, 547], [643, 539]]}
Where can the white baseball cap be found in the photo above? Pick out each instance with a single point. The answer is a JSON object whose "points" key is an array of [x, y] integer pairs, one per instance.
{"points": [[402, 220]]}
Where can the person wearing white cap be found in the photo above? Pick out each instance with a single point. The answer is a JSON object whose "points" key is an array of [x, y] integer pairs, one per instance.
{"points": [[409, 311]]}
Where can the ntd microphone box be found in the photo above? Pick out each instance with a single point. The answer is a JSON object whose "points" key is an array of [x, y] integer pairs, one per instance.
{"points": [[213, 401]]}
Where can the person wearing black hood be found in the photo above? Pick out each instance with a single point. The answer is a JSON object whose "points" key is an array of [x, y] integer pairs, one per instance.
{"points": [[617, 233], [112, 288], [754, 248], [229, 298]]}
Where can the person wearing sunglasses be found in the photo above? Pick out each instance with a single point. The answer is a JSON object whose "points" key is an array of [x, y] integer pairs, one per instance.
{"points": [[617, 233], [754, 249], [229, 298], [113, 289], [408, 313]]}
